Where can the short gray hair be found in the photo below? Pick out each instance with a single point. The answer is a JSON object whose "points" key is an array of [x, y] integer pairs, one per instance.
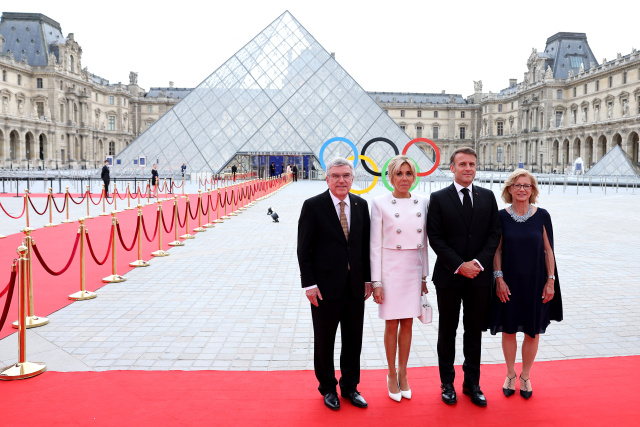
{"points": [[337, 162]]}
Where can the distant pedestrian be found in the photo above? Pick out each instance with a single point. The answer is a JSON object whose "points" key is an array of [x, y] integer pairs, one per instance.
{"points": [[183, 168], [106, 179], [272, 169], [154, 180], [295, 173], [234, 169]]}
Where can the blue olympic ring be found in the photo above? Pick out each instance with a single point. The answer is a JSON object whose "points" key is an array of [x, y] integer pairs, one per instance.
{"points": [[356, 156]]}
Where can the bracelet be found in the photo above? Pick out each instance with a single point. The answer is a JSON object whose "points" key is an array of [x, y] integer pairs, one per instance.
{"points": [[497, 274], [376, 285]]}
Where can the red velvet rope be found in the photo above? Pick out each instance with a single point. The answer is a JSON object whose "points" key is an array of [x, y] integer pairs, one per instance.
{"points": [[9, 291], [34, 208], [178, 186], [189, 211], [135, 235], [211, 203], [108, 248], [56, 205], [24, 205], [81, 200], [155, 228], [99, 200], [164, 222], [202, 207], [66, 267], [181, 224]]}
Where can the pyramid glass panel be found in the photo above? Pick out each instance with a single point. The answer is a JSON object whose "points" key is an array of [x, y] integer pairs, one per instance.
{"points": [[280, 94], [615, 163]]}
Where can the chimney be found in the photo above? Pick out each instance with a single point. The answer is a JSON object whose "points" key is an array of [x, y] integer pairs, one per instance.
{"points": [[513, 82], [170, 84]]}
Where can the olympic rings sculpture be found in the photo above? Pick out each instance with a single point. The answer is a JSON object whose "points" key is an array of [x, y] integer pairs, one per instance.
{"points": [[364, 159]]}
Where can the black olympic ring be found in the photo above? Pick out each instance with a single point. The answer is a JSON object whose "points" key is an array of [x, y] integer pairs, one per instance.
{"points": [[371, 141]]}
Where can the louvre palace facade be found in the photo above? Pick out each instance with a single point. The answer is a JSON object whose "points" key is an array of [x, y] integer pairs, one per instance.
{"points": [[55, 113], [567, 106]]}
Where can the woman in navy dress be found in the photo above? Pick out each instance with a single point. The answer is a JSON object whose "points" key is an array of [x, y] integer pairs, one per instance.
{"points": [[527, 293]]}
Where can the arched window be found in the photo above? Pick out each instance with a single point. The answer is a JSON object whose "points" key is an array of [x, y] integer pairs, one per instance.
{"points": [[71, 63]]}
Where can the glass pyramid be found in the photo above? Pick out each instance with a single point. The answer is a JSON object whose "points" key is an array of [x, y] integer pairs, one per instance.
{"points": [[615, 163], [282, 93]]}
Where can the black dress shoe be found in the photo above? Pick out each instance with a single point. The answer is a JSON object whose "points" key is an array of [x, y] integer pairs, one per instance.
{"points": [[477, 398], [331, 401], [449, 394], [356, 399]]}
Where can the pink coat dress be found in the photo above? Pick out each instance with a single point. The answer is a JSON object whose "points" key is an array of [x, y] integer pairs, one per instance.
{"points": [[399, 253]]}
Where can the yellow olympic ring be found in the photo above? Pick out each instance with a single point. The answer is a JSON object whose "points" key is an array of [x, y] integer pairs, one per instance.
{"points": [[375, 178]]}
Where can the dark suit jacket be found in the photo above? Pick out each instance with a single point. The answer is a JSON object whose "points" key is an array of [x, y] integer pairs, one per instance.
{"points": [[323, 251], [105, 174], [454, 241]]}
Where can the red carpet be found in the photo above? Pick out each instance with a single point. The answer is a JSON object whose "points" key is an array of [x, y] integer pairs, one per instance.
{"points": [[584, 392], [56, 243]]}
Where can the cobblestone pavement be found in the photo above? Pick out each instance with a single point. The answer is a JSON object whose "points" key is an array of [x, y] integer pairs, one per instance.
{"points": [[231, 298]]}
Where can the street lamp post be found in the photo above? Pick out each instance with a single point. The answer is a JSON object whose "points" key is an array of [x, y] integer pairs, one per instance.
{"points": [[563, 164], [541, 162]]}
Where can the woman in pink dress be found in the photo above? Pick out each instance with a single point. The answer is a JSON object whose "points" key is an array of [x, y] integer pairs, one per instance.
{"points": [[399, 267]]}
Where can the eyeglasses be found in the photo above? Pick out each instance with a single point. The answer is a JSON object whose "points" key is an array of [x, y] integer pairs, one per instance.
{"points": [[336, 177], [520, 186]]}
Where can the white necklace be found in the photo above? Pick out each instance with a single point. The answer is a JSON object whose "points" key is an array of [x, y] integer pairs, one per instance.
{"points": [[520, 218]]}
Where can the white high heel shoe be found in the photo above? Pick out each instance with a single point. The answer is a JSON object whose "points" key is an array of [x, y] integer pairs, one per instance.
{"points": [[406, 394], [394, 396]]}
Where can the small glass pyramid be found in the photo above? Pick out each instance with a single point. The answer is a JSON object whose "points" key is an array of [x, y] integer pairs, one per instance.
{"points": [[282, 93], [615, 163]]}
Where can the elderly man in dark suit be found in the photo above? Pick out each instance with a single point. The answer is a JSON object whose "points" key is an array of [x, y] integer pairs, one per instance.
{"points": [[464, 230], [333, 253]]}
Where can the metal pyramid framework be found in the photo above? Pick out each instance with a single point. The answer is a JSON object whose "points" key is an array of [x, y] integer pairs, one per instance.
{"points": [[282, 93], [615, 163]]}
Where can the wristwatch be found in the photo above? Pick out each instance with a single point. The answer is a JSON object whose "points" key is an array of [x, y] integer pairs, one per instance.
{"points": [[551, 277]]}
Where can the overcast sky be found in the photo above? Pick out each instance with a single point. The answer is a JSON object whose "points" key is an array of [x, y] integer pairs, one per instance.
{"points": [[405, 46]]}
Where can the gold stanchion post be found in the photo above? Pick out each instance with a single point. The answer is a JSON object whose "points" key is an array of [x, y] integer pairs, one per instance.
{"points": [[88, 196], [234, 190], [209, 224], [199, 228], [128, 199], [26, 205], [160, 252], [225, 205], [176, 242], [22, 369], [82, 294], [67, 201], [104, 201], [186, 212], [31, 321], [51, 224], [115, 277], [139, 262]]}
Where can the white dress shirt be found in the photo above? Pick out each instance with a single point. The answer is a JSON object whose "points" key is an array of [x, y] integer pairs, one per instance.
{"points": [[461, 196]]}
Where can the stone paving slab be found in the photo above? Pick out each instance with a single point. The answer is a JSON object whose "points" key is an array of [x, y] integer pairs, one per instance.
{"points": [[231, 298]]}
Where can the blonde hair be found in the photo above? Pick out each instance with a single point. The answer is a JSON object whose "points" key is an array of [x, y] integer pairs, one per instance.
{"points": [[396, 163], [506, 196]]}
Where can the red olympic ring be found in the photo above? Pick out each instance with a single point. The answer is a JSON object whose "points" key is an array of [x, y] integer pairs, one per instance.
{"points": [[435, 148]]}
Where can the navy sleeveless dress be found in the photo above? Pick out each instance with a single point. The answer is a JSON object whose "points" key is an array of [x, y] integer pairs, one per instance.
{"points": [[525, 273]]}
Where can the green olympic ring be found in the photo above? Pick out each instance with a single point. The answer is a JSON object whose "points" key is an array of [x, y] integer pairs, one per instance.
{"points": [[383, 174]]}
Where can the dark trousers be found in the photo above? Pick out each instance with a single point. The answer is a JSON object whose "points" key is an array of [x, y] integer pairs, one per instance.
{"points": [[348, 311], [475, 301], [106, 188], [295, 177]]}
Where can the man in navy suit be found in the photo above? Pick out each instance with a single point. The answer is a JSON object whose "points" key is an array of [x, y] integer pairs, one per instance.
{"points": [[464, 231], [333, 254]]}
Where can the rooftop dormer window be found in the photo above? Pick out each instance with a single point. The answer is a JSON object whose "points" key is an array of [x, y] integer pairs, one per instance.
{"points": [[576, 61]]}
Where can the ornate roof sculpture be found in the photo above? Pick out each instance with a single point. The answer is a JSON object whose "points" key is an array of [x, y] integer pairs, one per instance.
{"points": [[282, 93], [615, 163]]}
